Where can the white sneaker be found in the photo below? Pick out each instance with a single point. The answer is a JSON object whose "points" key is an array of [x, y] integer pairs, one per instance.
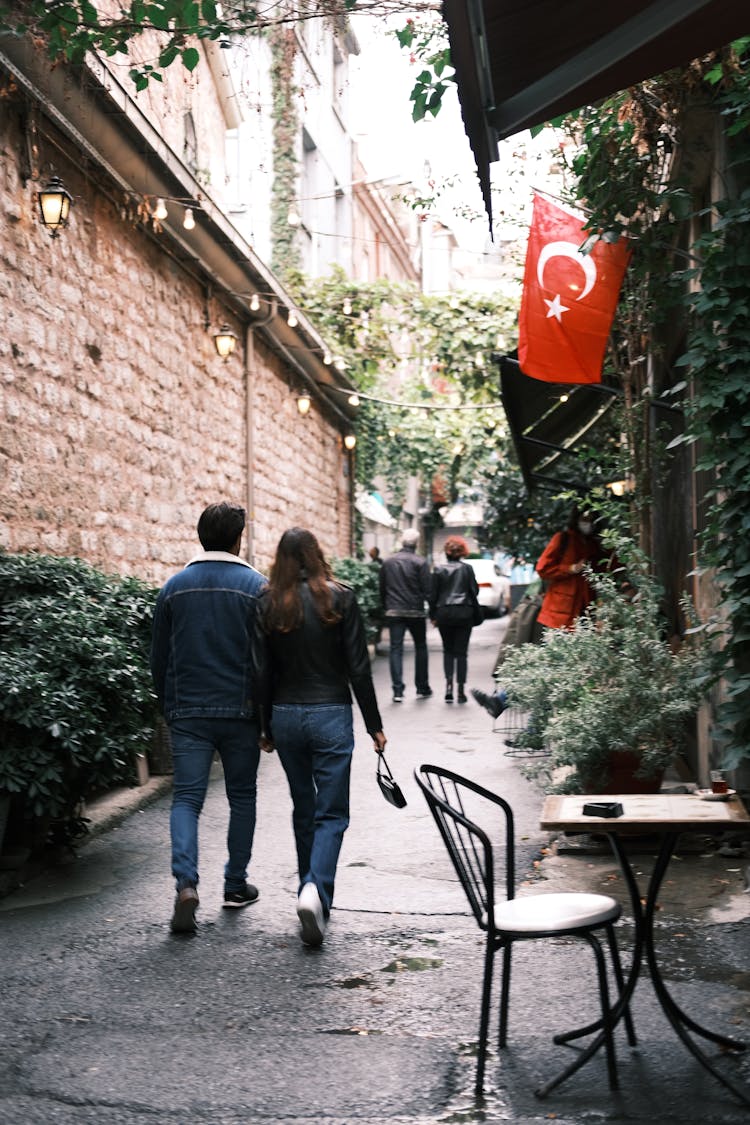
{"points": [[310, 914]]}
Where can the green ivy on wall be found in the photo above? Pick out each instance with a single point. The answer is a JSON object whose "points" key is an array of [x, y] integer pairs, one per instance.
{"points": [[404, 346], [633, 172], [285, 254], [718, 362]]}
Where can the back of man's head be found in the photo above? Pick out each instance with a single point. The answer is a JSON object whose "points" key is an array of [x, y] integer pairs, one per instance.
{"points": [[220, 526], [410, 537]]}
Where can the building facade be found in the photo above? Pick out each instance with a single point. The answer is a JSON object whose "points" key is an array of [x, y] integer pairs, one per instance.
{"points": [[119, 421]]}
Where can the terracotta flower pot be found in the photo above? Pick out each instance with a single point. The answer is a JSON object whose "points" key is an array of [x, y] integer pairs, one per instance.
{"points": [[620, 776]]}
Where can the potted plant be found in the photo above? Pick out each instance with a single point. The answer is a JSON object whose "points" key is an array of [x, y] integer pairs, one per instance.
{"points": [[613, 696]]}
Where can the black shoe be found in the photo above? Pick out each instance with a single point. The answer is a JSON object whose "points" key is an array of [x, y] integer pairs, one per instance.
{"points": [[185, 906], [461, 694], [424, 693], [237, 899], [490, 702], [398, 697], [449, 692]]}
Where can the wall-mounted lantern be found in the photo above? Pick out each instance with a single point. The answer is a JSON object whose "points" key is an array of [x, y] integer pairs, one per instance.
{"points": [[225, 341], [54, 205], [304, 402], [350, 440]]}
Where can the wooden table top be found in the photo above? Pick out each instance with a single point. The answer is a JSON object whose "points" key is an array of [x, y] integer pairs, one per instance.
{"points": [[658, 812]]}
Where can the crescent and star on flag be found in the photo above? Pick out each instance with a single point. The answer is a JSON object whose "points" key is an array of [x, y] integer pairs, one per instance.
{"points": [[569, 297], [555, 307]]}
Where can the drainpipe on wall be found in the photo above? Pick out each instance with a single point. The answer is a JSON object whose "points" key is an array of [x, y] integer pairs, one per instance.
{"points": [[249, 372]]}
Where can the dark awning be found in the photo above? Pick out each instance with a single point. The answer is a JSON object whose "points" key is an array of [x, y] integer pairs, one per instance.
{"points": [[519, 64], [548, 423]]}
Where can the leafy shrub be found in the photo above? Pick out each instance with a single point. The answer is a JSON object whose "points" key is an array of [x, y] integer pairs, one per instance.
{"points": [[613, 683], [76, 700], [364, 578]]}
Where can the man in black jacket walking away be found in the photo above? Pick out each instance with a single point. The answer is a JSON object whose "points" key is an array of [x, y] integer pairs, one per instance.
{"points": [[404, 591]]}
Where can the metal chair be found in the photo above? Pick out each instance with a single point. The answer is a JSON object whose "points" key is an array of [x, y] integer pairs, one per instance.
{"points": [[507, 919]]}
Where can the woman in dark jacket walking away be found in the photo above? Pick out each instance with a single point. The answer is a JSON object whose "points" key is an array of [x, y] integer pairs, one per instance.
{"points": [[453, 608], [309, 648]]}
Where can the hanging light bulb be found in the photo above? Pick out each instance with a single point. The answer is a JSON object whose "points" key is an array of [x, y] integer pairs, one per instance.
{"points": [[304, 403], [292, 319], [339, 363], [160, 211], [346, 308], [354, 400], [254, 302], [350, 440], [479, 359], [293, 216], [189, 220], [327, 358]]}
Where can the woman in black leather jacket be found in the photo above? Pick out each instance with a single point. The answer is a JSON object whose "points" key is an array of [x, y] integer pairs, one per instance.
{"points": [[310, 653], [453, 606]]}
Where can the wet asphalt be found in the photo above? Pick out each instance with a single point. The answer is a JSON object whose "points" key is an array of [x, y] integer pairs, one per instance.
{"points": [[108, 1019]]}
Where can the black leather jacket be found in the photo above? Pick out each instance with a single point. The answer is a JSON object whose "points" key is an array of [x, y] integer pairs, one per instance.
{"points": [[405, 584], [454, 588], [315, 663]]}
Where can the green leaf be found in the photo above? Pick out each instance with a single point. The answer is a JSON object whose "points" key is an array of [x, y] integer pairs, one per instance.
{"points": [[190, 58]]}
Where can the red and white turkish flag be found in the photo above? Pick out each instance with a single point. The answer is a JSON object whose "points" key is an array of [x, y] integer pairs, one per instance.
{"points": [[569, 298]]}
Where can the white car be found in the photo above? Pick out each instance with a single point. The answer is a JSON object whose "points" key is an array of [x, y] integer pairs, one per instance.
{"points": [[494, 587]]}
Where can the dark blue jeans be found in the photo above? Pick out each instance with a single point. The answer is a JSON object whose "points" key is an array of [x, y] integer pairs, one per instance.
{"points": [[194, 742], [417, 626], [315, 744]]}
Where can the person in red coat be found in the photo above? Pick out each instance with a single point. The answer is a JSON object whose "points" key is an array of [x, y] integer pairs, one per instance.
{"points": [[561, 566]]}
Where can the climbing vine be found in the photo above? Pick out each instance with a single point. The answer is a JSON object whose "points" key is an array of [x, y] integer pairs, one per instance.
{"points": [[633, 173], [403, 346], [286, 128], [718, 364]]}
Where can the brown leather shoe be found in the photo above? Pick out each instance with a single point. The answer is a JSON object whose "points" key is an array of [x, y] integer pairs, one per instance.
{"points": [[185, 906]]}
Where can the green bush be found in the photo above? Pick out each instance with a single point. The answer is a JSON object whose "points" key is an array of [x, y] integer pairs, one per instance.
{"points": [[364, 578], [76, 699], [613, 683]]}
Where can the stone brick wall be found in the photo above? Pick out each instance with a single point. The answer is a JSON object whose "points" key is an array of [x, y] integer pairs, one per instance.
{"points": [[118, 421]]}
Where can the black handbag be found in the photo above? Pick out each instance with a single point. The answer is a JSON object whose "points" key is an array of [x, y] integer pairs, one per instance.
{"points": [[389, 787]]}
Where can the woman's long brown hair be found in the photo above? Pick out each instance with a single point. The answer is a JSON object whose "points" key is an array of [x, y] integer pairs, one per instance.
{"points": [[298, 557]]}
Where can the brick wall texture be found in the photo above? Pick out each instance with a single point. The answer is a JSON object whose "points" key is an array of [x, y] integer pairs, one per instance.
{"points": [[118, 421]]}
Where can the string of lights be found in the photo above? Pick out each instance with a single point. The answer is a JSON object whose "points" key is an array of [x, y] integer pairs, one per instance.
{"points": [[354, 399]]}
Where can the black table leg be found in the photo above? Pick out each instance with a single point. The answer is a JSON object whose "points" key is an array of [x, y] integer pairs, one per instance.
{"points": [[679, 1019], [643, 919]]}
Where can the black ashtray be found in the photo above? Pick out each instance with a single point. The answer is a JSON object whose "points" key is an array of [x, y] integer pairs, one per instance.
{"points": [[602, 808]]}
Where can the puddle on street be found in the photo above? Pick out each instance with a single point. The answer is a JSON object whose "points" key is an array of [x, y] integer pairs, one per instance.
{"points": [[354, 982], [412, 964]]}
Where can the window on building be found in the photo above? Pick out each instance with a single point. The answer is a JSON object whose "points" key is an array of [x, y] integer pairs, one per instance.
{"points": [[190, 145]]}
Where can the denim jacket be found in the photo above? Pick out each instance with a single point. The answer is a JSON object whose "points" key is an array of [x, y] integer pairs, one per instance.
{"points": [[203, 628]]}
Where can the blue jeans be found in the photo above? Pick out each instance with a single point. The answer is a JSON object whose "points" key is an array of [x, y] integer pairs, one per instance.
{"points": [[194, 742], [417, 626], [315, 744]]}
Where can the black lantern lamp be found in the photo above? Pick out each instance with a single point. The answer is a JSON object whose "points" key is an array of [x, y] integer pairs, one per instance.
{"points": [[225, 341], [54, 205]]}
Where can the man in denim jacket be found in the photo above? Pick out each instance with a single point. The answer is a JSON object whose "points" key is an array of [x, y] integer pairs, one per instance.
{"points": [[200, 662]]}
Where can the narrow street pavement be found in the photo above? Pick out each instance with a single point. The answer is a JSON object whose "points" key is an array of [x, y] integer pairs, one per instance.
{"points": [[107, 1019]]}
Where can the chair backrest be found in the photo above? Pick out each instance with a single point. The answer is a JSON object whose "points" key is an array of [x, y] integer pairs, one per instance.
{"points": [[469, 845]]}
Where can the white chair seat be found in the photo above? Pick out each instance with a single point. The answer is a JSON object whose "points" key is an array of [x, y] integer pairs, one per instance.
{"points": [[553, 913]]}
